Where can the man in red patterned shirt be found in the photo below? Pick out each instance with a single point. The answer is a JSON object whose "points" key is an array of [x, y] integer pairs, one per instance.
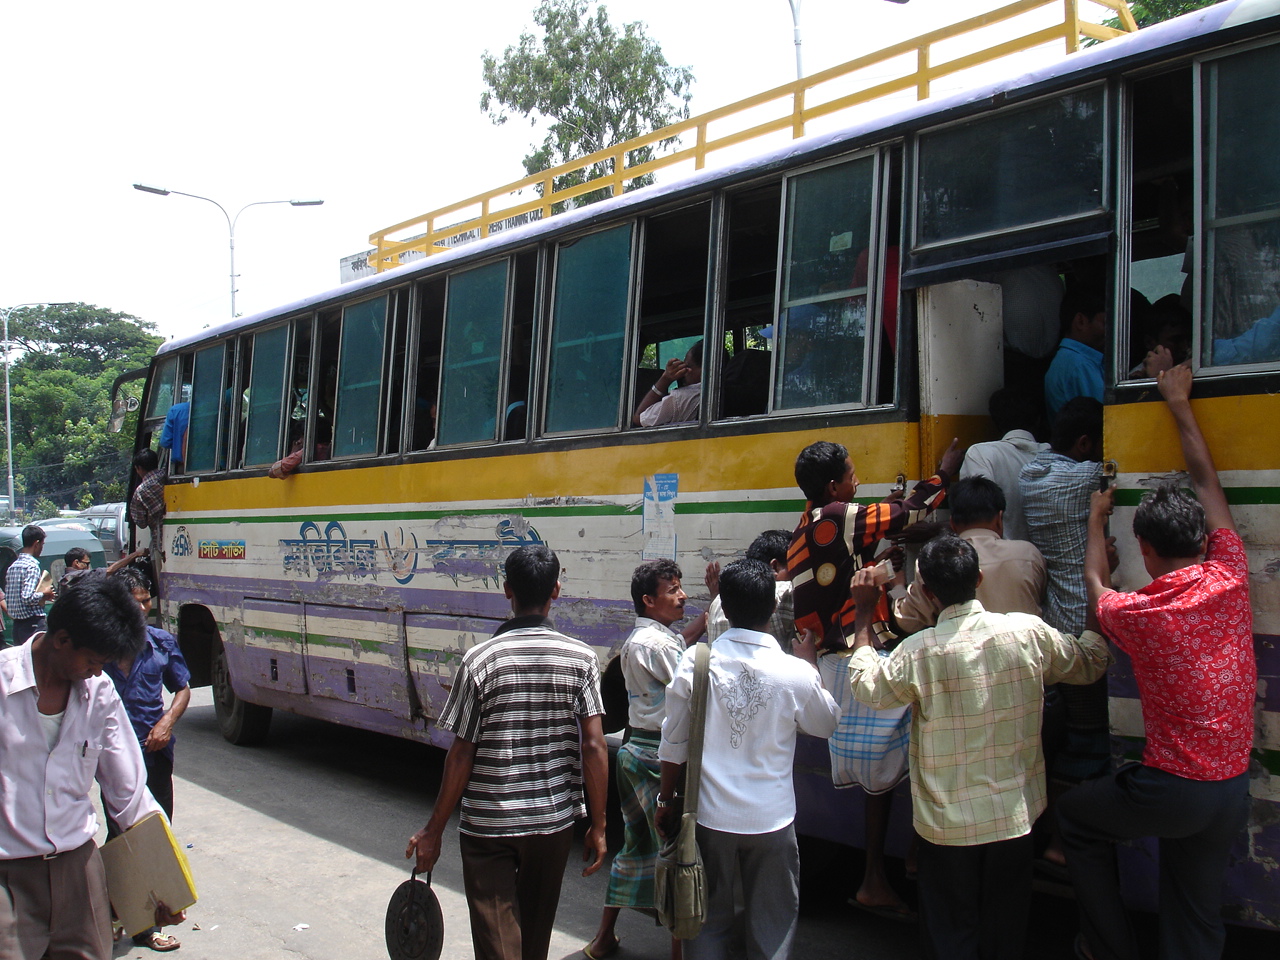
{"points": [[1190, 635]]}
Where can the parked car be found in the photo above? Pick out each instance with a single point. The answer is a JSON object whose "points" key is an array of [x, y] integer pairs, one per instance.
{"points": [[111, 526]]}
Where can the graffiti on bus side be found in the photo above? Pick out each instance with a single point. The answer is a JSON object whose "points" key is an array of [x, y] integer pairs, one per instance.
{"points": [[326, 552]]}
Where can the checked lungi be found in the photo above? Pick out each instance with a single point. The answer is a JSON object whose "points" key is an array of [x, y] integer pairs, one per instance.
{"points": [[639, 774]]}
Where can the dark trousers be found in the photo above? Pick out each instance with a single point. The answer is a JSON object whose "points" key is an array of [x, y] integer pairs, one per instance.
{"points": [[159, 782], [513, 890], [55, 908], [1196, 821], [26, 628], [975, 900]]}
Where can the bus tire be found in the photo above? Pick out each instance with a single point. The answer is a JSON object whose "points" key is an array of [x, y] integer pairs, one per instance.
{"points": [[243, 724]]}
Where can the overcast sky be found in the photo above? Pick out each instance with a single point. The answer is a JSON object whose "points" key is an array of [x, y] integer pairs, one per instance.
{"points": [[372, 108]]}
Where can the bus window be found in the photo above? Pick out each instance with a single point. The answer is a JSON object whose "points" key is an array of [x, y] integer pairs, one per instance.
{"points": [[1013, 169], [164, 388], [208, 401], [588, 329], [822, 325], [1240, 249], [396, 371], [524, 308], [751, 268], [267, 376], [427, 366], [359, 380], [475, 314], [673, 298]]}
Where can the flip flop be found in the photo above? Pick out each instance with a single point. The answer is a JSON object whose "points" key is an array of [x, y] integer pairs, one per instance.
{"points": [[586, 951], [902, 914], [160, 942]]}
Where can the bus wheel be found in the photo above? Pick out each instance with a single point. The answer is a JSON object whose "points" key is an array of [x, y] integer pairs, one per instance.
{"points": [[243, 724]]}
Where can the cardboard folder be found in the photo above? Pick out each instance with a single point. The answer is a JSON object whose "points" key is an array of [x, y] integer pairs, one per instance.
{"points": [[144, 867]]}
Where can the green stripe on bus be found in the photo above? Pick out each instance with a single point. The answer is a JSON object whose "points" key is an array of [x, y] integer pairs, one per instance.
{"points": [[1240, 496]]}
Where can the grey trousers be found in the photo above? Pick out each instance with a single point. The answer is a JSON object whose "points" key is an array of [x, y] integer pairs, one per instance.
{"points": [[769, 867], [1196, 821], [55, 909]]}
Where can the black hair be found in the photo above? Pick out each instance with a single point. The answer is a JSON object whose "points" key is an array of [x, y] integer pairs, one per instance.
{"points": [[1080, 297], [770, 546], [975, 500], [146, 460], [1172, 521], [1013, 409], [134, 579], [31, 535], [532, 573], [646, 577], [1078, 417], [949, 568], [99, 613], [747, 593], [819, 464], [74, 554], [695, 352]]}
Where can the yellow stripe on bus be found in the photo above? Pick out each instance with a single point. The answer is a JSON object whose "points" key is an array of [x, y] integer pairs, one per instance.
{"points": [[766, 461], [1243, 434]]}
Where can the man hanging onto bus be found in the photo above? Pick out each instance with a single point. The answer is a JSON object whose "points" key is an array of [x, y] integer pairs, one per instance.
{"points": [[525, 711], [835, 538], [681, 405], [975, 683], [1189, 634], [147, 508]]}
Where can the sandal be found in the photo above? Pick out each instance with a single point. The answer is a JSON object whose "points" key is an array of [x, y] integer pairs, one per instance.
{"points": [[160, 942]]}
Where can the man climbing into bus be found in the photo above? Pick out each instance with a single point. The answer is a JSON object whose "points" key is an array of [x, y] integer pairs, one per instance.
{"points": [[525, 711], [1189, 634], [1015, 414], [681, 405], [147, 508], [834, 539]]}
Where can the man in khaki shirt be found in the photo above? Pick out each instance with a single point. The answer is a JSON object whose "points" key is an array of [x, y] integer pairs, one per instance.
{"points": [[1013, 571]]}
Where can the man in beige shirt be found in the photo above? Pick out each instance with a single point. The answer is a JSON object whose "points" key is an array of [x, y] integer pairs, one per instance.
{"points": [[1013, 571]]}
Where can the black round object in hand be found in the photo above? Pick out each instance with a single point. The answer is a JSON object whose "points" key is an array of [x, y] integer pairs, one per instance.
{"points": [[415, 925]]}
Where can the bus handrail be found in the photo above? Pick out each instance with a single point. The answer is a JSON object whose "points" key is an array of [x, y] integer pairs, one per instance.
{"points": [[387, 253]]}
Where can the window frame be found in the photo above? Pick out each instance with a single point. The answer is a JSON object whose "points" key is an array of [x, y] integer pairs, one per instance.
{"points": [[379, 427], [286, 391], [504, 349]]}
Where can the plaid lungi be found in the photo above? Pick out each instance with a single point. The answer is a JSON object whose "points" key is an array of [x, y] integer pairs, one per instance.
{"points": [[869, 748], [639, 774]]}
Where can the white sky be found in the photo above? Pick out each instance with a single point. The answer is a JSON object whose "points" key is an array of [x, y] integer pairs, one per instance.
{"points": [[372, 108]]}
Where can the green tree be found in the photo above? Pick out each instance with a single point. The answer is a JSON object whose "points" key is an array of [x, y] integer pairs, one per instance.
{"points": [[68, 357], [1147, 12], [596, 86]]}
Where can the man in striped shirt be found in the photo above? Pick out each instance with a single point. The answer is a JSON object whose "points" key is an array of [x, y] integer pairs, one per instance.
{"points": [[525, 710]]}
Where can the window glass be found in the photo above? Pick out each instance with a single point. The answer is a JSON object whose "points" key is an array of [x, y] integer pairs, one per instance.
{"points": [[472, 352], [266, 396], [822, 327], [207, 401], [364, 328], [1241, 249], [1013, 169], [162, 388], [589, 323]]}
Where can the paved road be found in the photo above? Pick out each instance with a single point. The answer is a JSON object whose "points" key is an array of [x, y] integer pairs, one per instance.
{"points": [[297, 845]]}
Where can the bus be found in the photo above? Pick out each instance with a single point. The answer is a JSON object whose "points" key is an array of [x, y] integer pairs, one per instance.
{"points": [[871, 286]]}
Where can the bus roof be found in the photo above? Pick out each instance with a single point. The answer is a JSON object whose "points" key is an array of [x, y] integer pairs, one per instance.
{"points": [[1182, 35]]}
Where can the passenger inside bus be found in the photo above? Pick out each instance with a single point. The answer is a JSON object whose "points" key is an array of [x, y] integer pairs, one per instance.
{"points": [[1076, 370], [682, 404]]}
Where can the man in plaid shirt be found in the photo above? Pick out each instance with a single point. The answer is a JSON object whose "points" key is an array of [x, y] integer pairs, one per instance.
{"points": [[21, 582], [976, 683], [147, 507]]}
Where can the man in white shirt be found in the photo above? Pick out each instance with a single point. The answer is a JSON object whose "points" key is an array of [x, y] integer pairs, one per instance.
{"points": [[62, 726], [681, 405], [1014, 414], [759, 698]]}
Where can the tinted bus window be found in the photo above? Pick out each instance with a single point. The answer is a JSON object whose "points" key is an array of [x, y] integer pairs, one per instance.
{"points": [[1241, 137], [266, 396], [1016, 168], [206, 406], [822, 326], [163, 388], [588, 331], [473, 327], [364, 329]]}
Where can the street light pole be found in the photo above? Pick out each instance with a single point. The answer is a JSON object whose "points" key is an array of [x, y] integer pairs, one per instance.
{"points": [[795, 21], [8, 405], [231, 221]]}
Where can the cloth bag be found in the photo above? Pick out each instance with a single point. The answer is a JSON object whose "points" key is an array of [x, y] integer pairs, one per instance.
{"points": [[680, 882], [870, 747]]}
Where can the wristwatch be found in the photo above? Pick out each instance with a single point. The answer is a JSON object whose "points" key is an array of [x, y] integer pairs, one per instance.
{"points": [[663, 804]]}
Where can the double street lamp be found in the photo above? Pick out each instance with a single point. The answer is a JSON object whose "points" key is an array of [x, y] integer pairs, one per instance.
{"points": [[8, 406], [231, 221]]}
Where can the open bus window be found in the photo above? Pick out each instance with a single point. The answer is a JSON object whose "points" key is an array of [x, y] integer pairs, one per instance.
{"points": [[475, 315], [268, 375], [821, 332], [673, 296], [359, 378], [1240, 249], [1015, 168], [210, 404], [394, 402], [588, 330], [427, 363], [751, 265], [524, 305]]}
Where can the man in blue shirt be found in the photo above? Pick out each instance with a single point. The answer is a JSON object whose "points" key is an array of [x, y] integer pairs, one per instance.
{"points": [[1076, 370], [173, 437]]}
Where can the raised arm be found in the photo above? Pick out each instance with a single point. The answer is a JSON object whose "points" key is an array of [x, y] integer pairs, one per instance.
{"points": [[1097, 564], [1175, 387]]}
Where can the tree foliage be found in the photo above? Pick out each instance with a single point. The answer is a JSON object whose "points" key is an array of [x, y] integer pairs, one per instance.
{"points": [[1147, 12], [66, 360], [594, 85]]}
